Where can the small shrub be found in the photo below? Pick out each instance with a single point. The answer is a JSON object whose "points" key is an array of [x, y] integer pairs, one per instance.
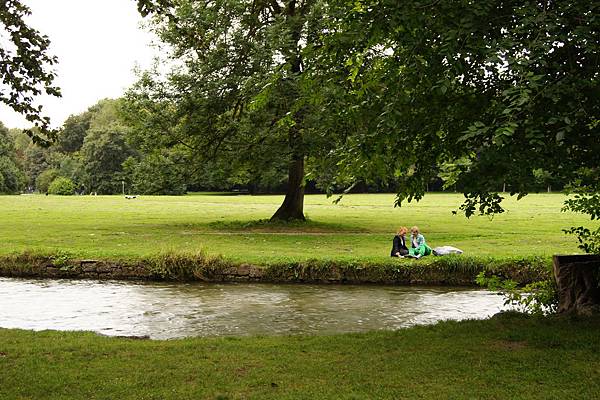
{"points": [[62, 186], [183, 266], [60, 259], [538, 298]]}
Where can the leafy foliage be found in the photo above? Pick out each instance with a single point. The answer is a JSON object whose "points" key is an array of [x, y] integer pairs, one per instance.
{"points": [[586, 200], [589, 240], [103, 152], [12, 179], [75, 128], [497, 89], [25, 68], [62, 186], [43, 181], [155, 173], [36, 160], [539, 298], [104, 149]]}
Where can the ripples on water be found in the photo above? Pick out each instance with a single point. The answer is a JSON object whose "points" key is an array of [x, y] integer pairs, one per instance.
{"points": [[169, 310]]}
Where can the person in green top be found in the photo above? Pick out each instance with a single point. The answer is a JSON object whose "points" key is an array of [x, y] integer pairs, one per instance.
{"points": [[418, 246]]}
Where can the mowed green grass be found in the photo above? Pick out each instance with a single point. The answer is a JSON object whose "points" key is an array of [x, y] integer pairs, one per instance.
{"points": [[360, 227], [508, 357]]}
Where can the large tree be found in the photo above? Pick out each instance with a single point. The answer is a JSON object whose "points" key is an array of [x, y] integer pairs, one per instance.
{"points": [[25, 68], [238, 90]]}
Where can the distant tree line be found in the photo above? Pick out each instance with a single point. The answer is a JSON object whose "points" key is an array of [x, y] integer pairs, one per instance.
{"points": [[101, 151], [93, 153], [104, 151], [97, 151]]}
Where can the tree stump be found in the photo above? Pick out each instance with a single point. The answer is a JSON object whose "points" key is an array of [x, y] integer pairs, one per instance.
{"points": [[577, 279]]}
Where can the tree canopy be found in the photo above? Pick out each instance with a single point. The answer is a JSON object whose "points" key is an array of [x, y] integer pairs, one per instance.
{"points": [[489, 90], [487, 93], [25, 68]]}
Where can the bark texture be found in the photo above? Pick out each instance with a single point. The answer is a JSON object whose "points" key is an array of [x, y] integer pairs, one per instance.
{"points": [[292, 207], [577, 278]]}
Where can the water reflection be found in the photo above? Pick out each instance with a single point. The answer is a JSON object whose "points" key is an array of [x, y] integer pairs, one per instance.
{"points": [[167, 310]]}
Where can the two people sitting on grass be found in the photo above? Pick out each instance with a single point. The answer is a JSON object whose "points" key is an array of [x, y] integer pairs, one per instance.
{"points": [[418, 246]]}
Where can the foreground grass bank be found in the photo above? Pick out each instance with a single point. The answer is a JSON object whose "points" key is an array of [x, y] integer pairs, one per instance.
{"points": [[360, 228], [511, 356]]}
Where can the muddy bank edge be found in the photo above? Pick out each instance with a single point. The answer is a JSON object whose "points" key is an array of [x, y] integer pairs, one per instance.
{"points": [[447, 270]]}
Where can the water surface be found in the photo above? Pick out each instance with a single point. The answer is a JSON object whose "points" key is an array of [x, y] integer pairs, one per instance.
{"points": [[175, 310]]}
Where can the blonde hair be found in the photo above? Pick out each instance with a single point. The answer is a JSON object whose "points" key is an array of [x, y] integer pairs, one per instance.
{"points": [[415, 229], [402, 230]]}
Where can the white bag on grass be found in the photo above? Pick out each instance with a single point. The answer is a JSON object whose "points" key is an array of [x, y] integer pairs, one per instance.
{"points": [[445, 250]]}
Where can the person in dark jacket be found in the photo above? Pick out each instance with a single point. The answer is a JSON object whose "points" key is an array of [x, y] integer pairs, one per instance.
{"points": [[399, 248]]}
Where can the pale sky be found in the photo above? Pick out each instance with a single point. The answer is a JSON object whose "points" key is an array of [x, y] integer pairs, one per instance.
{"points": [[98, 43]]}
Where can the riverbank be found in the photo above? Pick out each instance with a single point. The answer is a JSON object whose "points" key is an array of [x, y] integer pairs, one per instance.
{"points": [[508, 356], [456, 270]]}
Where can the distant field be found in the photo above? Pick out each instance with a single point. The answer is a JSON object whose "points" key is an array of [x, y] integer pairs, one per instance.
{"points": [[360, 227]]}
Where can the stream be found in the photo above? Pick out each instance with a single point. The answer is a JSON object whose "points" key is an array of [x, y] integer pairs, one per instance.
{"points": [[176, 310]]}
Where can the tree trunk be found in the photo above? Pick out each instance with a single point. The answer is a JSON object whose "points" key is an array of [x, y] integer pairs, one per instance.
{"points": [[577, 284], [293, 204]]}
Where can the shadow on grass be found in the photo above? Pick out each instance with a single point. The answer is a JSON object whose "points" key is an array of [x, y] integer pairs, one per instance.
{"points": [[296, 226], [235, 193]]}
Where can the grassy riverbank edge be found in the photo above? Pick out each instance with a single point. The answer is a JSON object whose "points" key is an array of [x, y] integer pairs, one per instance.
{"points": [[507, 356], [185, 267]]}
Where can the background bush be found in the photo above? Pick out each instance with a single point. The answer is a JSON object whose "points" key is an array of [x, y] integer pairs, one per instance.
{"points": [[43, 180], [62, 186]]}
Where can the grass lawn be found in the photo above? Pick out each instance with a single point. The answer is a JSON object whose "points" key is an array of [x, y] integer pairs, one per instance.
{"points": [[507, 357], [510, 356], [360, 227]]}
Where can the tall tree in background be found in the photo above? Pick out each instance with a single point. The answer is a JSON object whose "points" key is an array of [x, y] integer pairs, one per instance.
{"points": [[104, 149], [25, 68], [71, 136], [238, 90], [12, 179]]}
